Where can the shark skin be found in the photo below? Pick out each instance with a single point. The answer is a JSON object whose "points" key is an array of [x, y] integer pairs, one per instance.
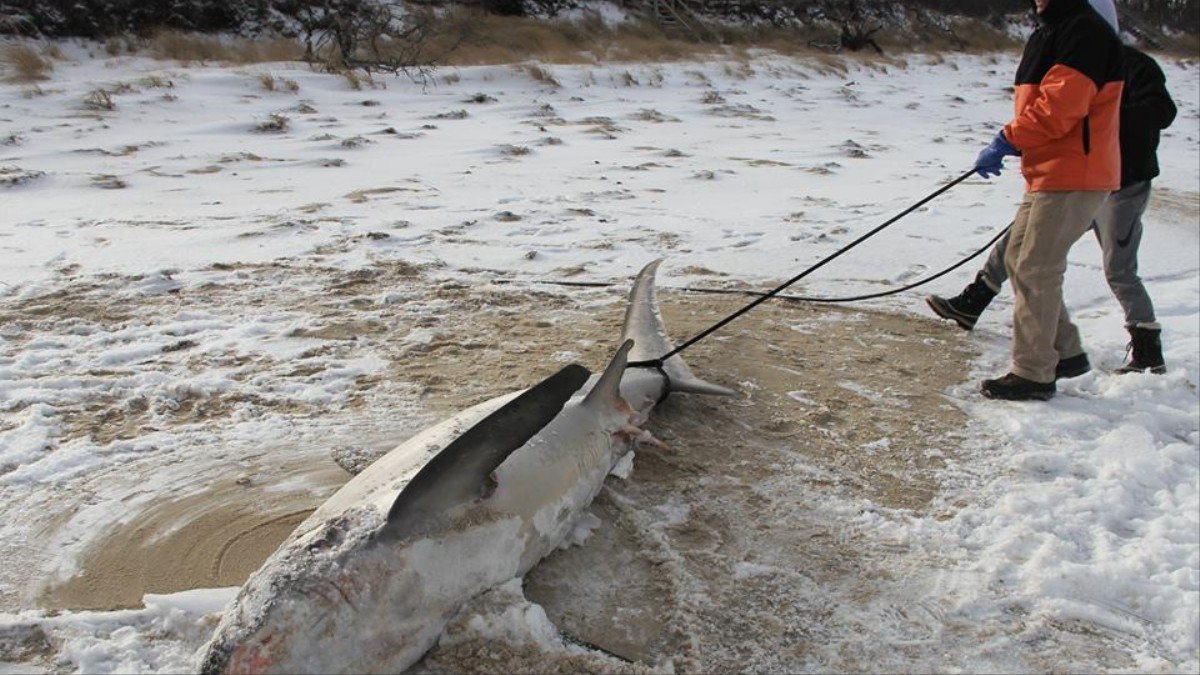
{"points": [[369, 580]]}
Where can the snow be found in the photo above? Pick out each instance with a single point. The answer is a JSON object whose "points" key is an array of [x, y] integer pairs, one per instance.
{"points": [[1083, 509]]}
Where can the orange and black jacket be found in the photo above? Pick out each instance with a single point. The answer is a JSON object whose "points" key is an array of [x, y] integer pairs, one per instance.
{"points": [[1068, 101]]}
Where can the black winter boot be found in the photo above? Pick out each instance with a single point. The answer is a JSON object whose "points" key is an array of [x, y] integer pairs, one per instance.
{"points": [[1072, 366], [1012, 387], [964, 308], [1146, 345]]}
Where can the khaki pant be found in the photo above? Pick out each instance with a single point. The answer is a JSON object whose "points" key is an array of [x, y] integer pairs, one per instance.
{"points": [[1046, 226]]}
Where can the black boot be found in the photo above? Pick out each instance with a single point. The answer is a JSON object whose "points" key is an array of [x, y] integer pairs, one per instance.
{"points": [[1011, 387], [1072, 366], [964, 308], [1146, 345]]}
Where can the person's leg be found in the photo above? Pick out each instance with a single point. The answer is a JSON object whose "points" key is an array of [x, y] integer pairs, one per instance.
{"points": [[993, 270], [1119, 228], [1011, 386], [1037, 263]]}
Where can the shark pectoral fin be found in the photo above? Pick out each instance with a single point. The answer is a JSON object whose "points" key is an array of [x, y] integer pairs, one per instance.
{"points": [[458, 475], [634, 435]]}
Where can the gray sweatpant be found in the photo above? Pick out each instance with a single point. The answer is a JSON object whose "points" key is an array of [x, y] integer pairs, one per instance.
{"points": [[1118, 228]]}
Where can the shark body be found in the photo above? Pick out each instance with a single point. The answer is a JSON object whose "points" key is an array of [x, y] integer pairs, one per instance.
{"points": [[368, 581]]}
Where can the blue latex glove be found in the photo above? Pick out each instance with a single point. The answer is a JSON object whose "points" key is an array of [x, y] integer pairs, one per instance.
{"points": [[991, 159]]}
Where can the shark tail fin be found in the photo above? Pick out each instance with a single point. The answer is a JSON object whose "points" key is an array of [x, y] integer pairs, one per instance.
{"points": [[644, 325]]}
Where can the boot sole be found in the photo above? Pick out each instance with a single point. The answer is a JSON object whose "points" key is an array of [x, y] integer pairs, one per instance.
{"points": [[1015, 396], [1155, 370], [944, 310]]}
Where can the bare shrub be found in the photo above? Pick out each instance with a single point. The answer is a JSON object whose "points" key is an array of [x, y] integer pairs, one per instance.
{"points": [[107, 181], [375, 36], [26, 64], [11, 176], [276, 123], [355, 142], [99, 99], [156, 82], [513, 150]]}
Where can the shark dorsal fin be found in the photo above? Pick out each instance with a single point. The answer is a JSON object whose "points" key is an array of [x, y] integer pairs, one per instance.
{"points": [[457, 474], [608, 388]]}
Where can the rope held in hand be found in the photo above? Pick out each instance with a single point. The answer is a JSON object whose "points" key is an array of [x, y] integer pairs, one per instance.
{"points": [[657, 363]]}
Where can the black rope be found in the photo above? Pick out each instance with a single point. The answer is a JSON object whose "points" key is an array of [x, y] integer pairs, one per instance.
{"points": [[857, 298], [781, 296], [824, 261]]}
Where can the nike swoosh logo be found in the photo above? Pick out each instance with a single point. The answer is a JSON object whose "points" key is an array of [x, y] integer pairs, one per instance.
{"points": [[1125, 242]]}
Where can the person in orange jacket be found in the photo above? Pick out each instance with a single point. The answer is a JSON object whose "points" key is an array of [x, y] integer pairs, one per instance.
{"points": [[1065, 130], [1146, 109]]}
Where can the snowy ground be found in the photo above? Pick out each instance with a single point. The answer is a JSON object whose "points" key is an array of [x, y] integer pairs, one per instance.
{"points": [[199, 312]]}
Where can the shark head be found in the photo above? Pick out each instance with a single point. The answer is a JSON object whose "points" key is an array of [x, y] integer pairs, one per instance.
{"points": [[319, 594]]}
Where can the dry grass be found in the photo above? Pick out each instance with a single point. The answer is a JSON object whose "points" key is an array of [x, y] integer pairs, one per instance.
{"points": [[1184, 47], [194, 47], [360, 80], [497, 39], [541, 75], [25, 64], [271, 83], [156, 82], [275, 123], [465, 36]]}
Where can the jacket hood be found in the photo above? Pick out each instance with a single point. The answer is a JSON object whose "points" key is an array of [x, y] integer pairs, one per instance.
{"points": [[1060, 9], [1107, 10]]}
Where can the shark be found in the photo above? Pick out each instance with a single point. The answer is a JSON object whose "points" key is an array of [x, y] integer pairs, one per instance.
{"points": [[370, 579]]}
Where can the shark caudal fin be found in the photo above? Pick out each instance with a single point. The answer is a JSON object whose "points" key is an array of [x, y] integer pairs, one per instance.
{"points": [[644, 325]]}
